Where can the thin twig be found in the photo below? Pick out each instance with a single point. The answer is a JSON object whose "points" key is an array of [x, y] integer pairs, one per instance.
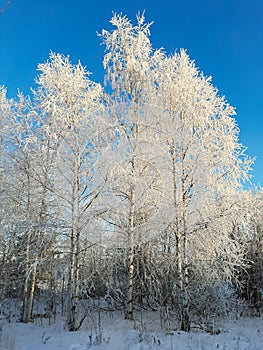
{"points": [[6, 6]]}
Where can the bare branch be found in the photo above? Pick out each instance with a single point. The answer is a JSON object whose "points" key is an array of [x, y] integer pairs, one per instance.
{"points": [[6, 6]]}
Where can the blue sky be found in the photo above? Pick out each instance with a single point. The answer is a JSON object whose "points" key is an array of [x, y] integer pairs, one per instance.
{"points": [[224, 37]]}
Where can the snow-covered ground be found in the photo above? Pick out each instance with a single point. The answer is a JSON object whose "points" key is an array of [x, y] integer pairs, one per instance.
{"points": [[119, 334]]}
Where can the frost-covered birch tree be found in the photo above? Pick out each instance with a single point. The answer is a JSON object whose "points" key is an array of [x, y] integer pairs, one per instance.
{"points": [[27, 212], [207, 166], [134, 174], [22, 192], [249, 222], [7, 234], [72, 106]]}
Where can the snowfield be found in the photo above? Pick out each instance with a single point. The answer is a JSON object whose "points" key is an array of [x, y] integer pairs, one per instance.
{"points": [[119, 334]]}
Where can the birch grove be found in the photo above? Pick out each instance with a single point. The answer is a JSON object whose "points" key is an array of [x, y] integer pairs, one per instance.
{"points": [[135, 193]]}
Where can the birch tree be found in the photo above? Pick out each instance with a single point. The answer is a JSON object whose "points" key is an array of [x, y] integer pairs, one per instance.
{"points": [[250, 279], [6, 214], [135, 178], [17, 130], [32, 206], [71, 103], [207, 165]]}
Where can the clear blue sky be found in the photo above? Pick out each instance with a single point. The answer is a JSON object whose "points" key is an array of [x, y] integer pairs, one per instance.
{"points": [[225, 37]]}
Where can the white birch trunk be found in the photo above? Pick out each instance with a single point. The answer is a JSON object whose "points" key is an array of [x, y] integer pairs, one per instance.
{"points": [[24, 313], [129, 310], [32, 292]]}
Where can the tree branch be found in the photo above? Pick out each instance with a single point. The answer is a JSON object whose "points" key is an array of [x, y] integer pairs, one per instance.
{"points": [[5, 7]]}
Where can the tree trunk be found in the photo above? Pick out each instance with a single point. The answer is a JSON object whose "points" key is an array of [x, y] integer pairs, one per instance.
{"points": [[129, 309], [71, 323], [32, 293], [24, 313], [75, 253], [185, 317]]}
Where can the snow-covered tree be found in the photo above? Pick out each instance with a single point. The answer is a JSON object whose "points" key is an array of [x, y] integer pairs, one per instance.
{"points": [[249, 285], [134, 179], [71, 106], [29, 216], [206, 169]]}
